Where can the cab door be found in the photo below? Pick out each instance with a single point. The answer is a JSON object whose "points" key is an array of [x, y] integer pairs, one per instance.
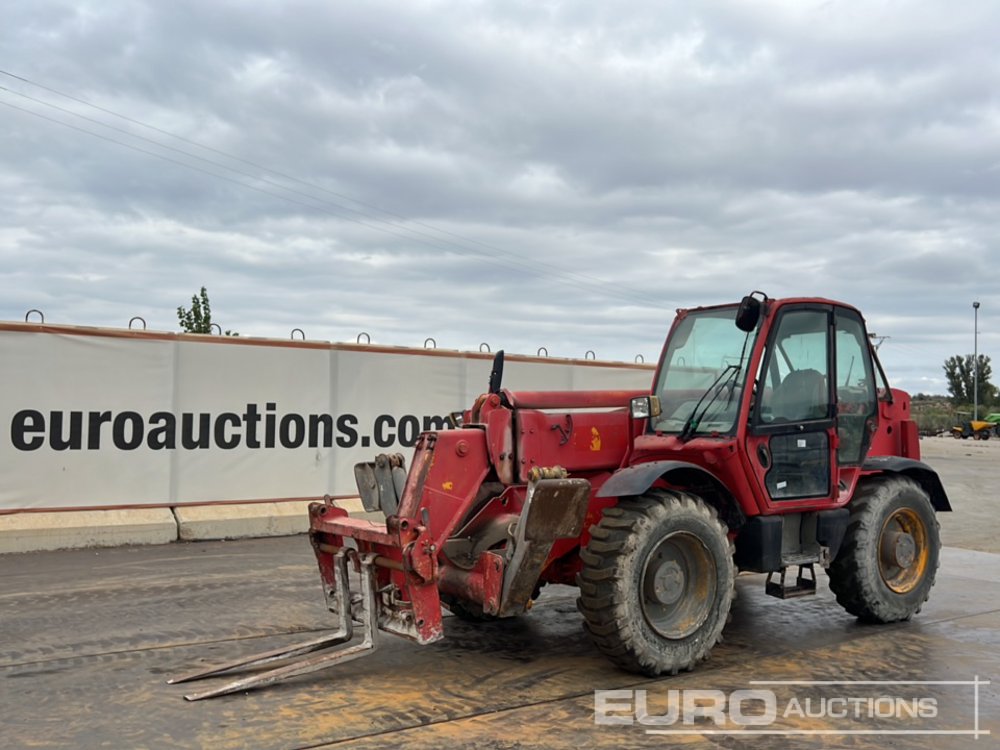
{"points": [[792, 436], [815, 409]]}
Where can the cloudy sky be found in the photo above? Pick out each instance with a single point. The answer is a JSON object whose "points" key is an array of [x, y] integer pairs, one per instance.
{"points": [[520, 173]]}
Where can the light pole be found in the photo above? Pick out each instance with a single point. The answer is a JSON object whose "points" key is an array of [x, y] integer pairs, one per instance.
{"points": [[975, 361]]}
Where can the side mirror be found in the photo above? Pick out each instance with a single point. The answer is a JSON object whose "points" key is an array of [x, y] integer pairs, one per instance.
{"points": [[748, 314]]}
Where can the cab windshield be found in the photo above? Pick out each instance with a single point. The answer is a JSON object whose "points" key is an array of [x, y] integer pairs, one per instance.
{"points": [[703, 373]]}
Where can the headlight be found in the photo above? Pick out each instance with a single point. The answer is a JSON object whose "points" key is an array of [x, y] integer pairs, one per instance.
{"points": [[644, 407]]}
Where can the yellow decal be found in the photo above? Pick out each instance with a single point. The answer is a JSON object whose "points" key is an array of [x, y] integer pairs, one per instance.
{"points": [[595, 439], [448, 486]]}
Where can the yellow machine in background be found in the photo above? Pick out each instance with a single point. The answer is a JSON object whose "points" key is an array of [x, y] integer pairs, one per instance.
{"points": [[977, 429]]}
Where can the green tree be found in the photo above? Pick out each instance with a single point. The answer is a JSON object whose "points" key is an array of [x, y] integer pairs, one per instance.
{"points": [[199, 318], [960, 374]]}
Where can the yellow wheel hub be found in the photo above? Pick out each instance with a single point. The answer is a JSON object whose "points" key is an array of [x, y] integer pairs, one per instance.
{"points": [[903, 551]]}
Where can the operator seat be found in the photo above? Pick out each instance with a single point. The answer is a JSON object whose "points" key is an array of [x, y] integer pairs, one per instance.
{"points": [[801, 396]]}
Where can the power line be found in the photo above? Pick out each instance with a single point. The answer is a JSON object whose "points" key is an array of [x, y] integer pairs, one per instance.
{"points": [[190, 155], [270, 170], [577, 279], [508, 265], [877, 340]]}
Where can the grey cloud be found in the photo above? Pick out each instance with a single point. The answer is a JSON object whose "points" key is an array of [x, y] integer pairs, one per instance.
{"points": [[614, 162]]}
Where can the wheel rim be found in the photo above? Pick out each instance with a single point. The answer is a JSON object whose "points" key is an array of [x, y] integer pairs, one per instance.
{"points": [[903, 550], [678, 585]]}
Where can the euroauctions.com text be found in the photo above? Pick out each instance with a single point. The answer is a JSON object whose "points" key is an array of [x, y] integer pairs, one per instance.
{"points": [[254, 428]]}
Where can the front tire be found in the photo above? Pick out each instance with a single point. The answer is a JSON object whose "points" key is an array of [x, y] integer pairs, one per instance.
{"points": [[657, 582], [886, 565]]}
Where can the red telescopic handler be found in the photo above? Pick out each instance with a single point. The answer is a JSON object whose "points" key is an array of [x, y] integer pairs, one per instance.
{"points": [[770, 441]]}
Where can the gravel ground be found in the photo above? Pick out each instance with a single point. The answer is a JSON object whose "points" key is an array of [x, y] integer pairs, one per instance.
{"points": [[970, 471]]}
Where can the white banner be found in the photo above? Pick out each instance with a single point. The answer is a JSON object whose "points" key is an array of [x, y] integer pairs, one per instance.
{"points": [[99, 418]]}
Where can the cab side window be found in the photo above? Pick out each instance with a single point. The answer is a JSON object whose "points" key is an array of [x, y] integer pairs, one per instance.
{"points": [[797, 369], [856, 395]]}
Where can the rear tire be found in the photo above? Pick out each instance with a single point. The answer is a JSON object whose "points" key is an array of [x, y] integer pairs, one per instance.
{"points": [[657, 582], [886, 565]]}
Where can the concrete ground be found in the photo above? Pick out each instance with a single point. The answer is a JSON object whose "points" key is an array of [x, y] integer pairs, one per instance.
{"points": [[970, 471], [88, 638]]}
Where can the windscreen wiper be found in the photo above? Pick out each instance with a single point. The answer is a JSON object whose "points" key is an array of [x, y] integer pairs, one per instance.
{"points": [[691, 425]]}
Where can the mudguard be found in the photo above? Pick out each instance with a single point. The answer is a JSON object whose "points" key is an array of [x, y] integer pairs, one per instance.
{"points": [[637, 479], [918, 470]]}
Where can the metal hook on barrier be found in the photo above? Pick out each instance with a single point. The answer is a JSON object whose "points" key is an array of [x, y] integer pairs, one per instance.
{"points": [[639, 359], [215, 326], [540, 350], [590, 354], [33, 310], [368, 339], [430, 340], [487, 349], [300, 331], [135, 318]]}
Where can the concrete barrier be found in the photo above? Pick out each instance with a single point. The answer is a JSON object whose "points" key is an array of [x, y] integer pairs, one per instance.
{"points": [[31, 532], [202, 522]]}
